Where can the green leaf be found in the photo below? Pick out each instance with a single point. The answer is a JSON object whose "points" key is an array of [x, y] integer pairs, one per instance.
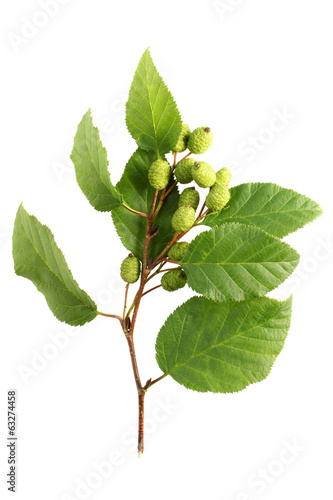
{"points": [[222, 347], [237, 262], [152, 116], [276, 210], [138, 193], [91, 167], [38, 258]]}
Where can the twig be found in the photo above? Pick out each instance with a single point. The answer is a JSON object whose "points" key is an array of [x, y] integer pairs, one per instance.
{"points": [[174, 239], [135, 212], [170, 189], [152, 382], [151, 289], [110, 316], [125, 302], [154, 204]]}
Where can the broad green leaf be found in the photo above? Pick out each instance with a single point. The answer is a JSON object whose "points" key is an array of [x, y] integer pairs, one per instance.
{"points": [[91, 167], [237, 262], [152, 116], [276, 210], [138, 193], [222, 347], [38, 258]]}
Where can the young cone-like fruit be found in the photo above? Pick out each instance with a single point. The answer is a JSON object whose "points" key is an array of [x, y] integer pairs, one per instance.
{"points": [[182, 139], [223, 176], [203, 174], [130, 269], [178, 251], [183, 171], [159, 174], [189, 197], [183, 219], [200, 140], [173, 280], [217, 197]]}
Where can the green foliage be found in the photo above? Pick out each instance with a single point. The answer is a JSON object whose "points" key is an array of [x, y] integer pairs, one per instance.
{"points": [[276, 210], [138, 193], [237, 262], [152, 116], [38, 258], [222, 347], [91, 167]]}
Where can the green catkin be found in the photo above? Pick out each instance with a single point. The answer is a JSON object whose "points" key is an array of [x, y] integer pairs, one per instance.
{"points": [[183, 172], [217, 197], [178, 251], [183, 219], [200, 140], [174, 280], [130, 269], [203, 174], [181, 145], [223, 176], [159, 174], [189, 197]]}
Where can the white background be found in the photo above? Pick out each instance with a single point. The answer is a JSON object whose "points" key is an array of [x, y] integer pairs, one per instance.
{"points": [[231, 66]]}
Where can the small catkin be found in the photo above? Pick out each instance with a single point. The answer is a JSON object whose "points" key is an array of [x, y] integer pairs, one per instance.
{"points": [[181, 145], [183, 172], [183, 219], [203, 174], [200, 140], [159, 174], [189, 197], [130, 269], [178, 251], [173, 280], [217, 197], [223, 176]]}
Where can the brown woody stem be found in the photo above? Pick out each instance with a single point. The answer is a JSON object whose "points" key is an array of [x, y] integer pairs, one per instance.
{"points": [[151, 289], [152, 382]]}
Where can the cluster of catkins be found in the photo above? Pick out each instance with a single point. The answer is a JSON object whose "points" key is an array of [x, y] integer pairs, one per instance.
{"points": [[186, 171]]}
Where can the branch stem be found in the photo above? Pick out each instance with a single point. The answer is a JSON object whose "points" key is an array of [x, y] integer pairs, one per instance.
{"points": [[135, 212], [125, 302], [152, 382], [110, 316], [151, 289]]}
